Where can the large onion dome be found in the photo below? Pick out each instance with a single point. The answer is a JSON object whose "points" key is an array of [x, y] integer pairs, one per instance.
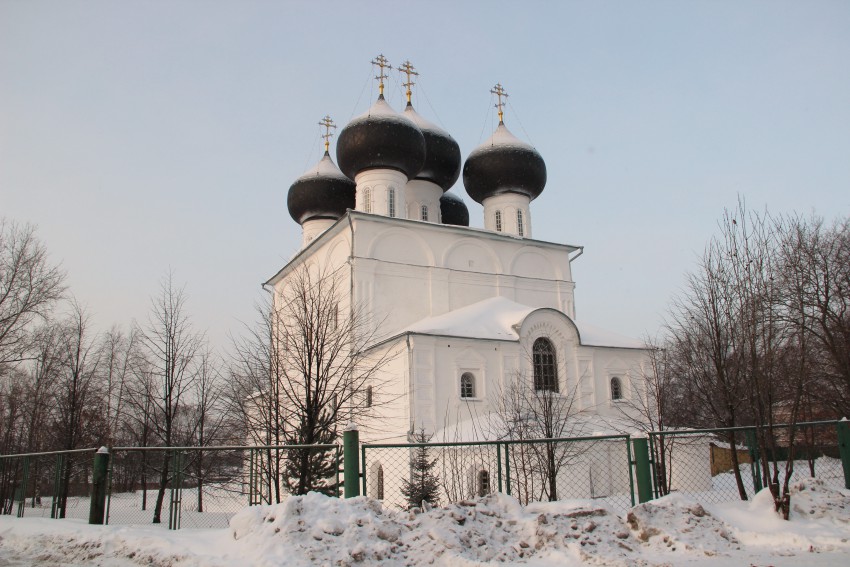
{"points": [[442, 154], [453, 210], [323, 192], [504, 164], [380, 139]]}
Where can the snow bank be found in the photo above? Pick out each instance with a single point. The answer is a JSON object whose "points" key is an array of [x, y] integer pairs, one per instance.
{"points": [[318, 530]]}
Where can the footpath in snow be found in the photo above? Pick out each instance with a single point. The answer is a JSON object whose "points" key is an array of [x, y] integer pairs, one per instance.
{"points": [[318, 530]]}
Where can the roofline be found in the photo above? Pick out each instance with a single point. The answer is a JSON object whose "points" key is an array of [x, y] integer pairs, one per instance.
{"points": [[352, 214]]}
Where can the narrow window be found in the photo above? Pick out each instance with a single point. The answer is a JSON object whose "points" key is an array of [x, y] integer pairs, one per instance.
{"points": [[545, 365], [519, 229], [467, 385], [498, 221], [379, 493], [483, 483], [368, 396], [367, 200], [391, 203], [616, 389], [424, 213]]}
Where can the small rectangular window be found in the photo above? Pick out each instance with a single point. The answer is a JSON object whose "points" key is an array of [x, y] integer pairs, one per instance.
{"points": [[424, 212], [467, 385], [498, 221], [519, 228], [367, 201], [391, 203]]}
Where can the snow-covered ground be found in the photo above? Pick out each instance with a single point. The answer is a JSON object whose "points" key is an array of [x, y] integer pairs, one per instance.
{"points": [[317, 530]]}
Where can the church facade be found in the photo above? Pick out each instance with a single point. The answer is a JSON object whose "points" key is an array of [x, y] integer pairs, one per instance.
{"points": [[463, 315]]}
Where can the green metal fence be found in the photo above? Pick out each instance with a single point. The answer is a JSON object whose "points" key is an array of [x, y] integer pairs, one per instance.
{"points": [[54, 484], [203, 487], [533, 470], [719, 465]]}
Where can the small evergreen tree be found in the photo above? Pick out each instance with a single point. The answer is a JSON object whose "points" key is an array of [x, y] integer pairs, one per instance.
{"points": [[424, 484]]}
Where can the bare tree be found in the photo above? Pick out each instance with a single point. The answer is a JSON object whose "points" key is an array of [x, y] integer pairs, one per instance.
{"points": [[303, 374], [29, 286], [171, 347]]}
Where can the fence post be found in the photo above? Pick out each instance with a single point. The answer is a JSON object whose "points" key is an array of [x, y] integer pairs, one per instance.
{"points": [[97, 507], [843, 428], [642, 469], [755, 467], [351, 460]]}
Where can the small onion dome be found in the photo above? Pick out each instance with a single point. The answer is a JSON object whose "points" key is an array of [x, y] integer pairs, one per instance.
{"points": [[504, 164], [380, 139], [323, 192], [442, 154], [453, 210]]}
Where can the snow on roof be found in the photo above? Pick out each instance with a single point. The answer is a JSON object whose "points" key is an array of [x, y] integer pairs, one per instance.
{"points": [[499, 318]]}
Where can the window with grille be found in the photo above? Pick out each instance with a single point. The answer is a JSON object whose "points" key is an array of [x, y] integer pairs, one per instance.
{"points": [[616, 389], [379, 493], [369, 396], [424, 212], [545, 365], [483, 483], [391, 203], [467, 385], [367, 200], [519, 228], [498, 221]]}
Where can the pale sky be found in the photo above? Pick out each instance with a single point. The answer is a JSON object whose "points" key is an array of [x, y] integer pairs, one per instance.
{"points": [[142, 136]]}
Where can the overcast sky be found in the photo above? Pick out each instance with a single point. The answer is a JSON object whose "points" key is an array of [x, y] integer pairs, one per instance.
{"points": [[146, 136]]}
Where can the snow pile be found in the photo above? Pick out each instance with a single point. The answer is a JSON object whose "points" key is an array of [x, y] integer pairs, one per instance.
{"points": [[679, 523], [812, 499], [318, 530], [315, 530]]}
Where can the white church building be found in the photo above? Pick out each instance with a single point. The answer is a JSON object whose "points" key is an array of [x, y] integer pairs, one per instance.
{"points": [[463, 311]]}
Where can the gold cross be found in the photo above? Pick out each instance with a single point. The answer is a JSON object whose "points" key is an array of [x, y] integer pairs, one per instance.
{"points": [[327, 123], [381, 62], [500, 92], [407, 69]]}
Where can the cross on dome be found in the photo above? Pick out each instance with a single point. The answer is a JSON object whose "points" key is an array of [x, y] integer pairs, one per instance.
{"points": [[500, 92], [408, 70], [327, 123], [381, 62]]}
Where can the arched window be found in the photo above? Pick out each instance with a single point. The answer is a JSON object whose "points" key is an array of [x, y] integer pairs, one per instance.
{"points": [[423, 212], [498, 221], [616, 389], [483, 483], [379, 492], [467, 385], [519, 229], [368, 396], [391, 202], [367, 200], [545, 365]]}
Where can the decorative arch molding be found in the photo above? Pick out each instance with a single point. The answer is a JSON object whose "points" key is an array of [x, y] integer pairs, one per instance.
{"points": [[455, 254], [529, 257], [561, 332], [401, 245]]}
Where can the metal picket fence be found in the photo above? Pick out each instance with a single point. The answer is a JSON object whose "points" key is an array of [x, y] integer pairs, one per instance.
{"points": [[532, 470], [703, 463], [54, 484], [202, 487]]}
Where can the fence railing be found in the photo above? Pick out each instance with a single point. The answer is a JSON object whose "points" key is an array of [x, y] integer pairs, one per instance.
{"points": [[53, 484], [733, 468], [531, 470], [205, 486]]}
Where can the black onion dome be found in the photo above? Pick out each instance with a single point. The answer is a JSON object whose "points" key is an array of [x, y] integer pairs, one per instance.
{"points": [[453, 210], [504, 164], [323, 192], [380, 139], [442, 154]]}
